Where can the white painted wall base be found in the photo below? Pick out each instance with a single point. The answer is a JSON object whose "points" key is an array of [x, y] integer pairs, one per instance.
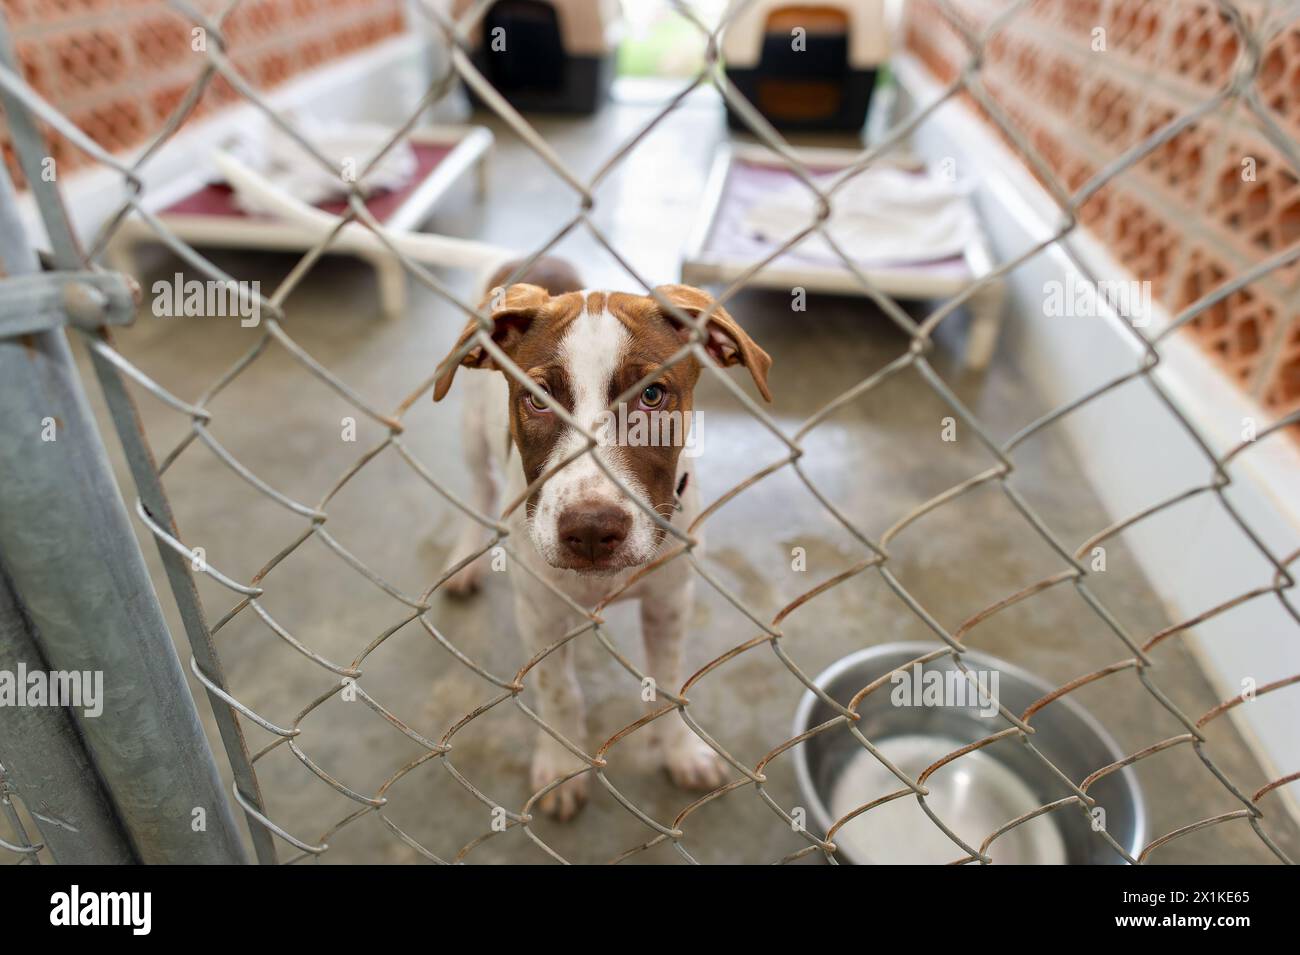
{"points": [[1133, 450]]}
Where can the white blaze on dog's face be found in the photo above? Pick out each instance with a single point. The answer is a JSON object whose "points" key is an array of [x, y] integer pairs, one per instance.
{"points": [[585, 350], [581, 518]]}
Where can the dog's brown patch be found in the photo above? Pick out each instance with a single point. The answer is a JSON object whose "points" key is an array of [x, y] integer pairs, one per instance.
{"points": [[653, 342]]}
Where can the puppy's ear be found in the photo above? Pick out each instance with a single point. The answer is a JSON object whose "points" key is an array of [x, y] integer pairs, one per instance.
{"points": [[727, 341], [513, 310]]}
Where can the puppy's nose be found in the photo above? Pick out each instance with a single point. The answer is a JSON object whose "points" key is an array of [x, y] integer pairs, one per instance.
{"points": [[593, 533]]}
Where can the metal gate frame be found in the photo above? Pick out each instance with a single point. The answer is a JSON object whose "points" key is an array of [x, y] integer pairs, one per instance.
{"points": [[139, 782]]}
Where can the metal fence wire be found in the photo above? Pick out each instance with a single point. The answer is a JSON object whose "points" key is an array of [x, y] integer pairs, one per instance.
{"points": [[26, 109]]}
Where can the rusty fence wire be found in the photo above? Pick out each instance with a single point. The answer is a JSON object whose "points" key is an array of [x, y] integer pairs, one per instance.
{"points": [[25, 109]]}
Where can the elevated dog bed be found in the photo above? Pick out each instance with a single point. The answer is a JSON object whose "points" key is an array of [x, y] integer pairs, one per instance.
{"points": [[824, 85], [726, 244], [559, 55], [208, 214]]}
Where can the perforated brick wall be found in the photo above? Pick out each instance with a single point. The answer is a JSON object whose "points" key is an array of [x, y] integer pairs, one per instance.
{"points": [[119, 68], [1202, 209]]}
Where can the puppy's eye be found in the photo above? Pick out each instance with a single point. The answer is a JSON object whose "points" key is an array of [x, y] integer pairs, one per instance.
{"points": [[533, 404], [653, 396]]}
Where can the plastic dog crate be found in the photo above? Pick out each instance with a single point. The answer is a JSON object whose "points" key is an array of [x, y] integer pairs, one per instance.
{"points": [[823, 83], [559, 55]]}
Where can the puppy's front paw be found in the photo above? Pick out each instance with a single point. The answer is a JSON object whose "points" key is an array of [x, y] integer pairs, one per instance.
{"points": [[466, 581], [691, 762], [551, 761]]}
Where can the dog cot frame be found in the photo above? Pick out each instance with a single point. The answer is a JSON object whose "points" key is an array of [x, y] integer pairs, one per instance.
{"points": [[471, 149], [702, 265]]}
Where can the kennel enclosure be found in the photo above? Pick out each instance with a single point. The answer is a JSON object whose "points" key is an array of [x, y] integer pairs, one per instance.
{"points": [[157, 805]]}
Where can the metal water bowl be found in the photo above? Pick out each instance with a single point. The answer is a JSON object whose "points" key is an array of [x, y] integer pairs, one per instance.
{"points": [[975, 794]]}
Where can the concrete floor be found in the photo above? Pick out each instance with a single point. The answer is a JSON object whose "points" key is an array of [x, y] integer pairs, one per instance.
{"points": [[877, 458]]}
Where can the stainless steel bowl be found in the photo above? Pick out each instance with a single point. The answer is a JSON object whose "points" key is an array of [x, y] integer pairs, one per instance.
{"points": [[975, 794]]}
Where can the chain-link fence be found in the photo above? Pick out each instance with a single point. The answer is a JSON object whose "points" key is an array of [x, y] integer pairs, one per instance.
{"points": [[251, 597]]}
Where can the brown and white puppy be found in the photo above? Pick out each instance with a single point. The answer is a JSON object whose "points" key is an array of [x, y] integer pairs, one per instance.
{"points": [[582, 532]]}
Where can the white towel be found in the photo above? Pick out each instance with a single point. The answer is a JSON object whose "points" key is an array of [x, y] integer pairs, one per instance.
{"points": [[882, 215], [282, 162]]}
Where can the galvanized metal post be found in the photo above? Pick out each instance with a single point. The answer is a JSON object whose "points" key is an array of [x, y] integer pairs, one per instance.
{"points": [[75, 565], [47, 763], [68, 256]]}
